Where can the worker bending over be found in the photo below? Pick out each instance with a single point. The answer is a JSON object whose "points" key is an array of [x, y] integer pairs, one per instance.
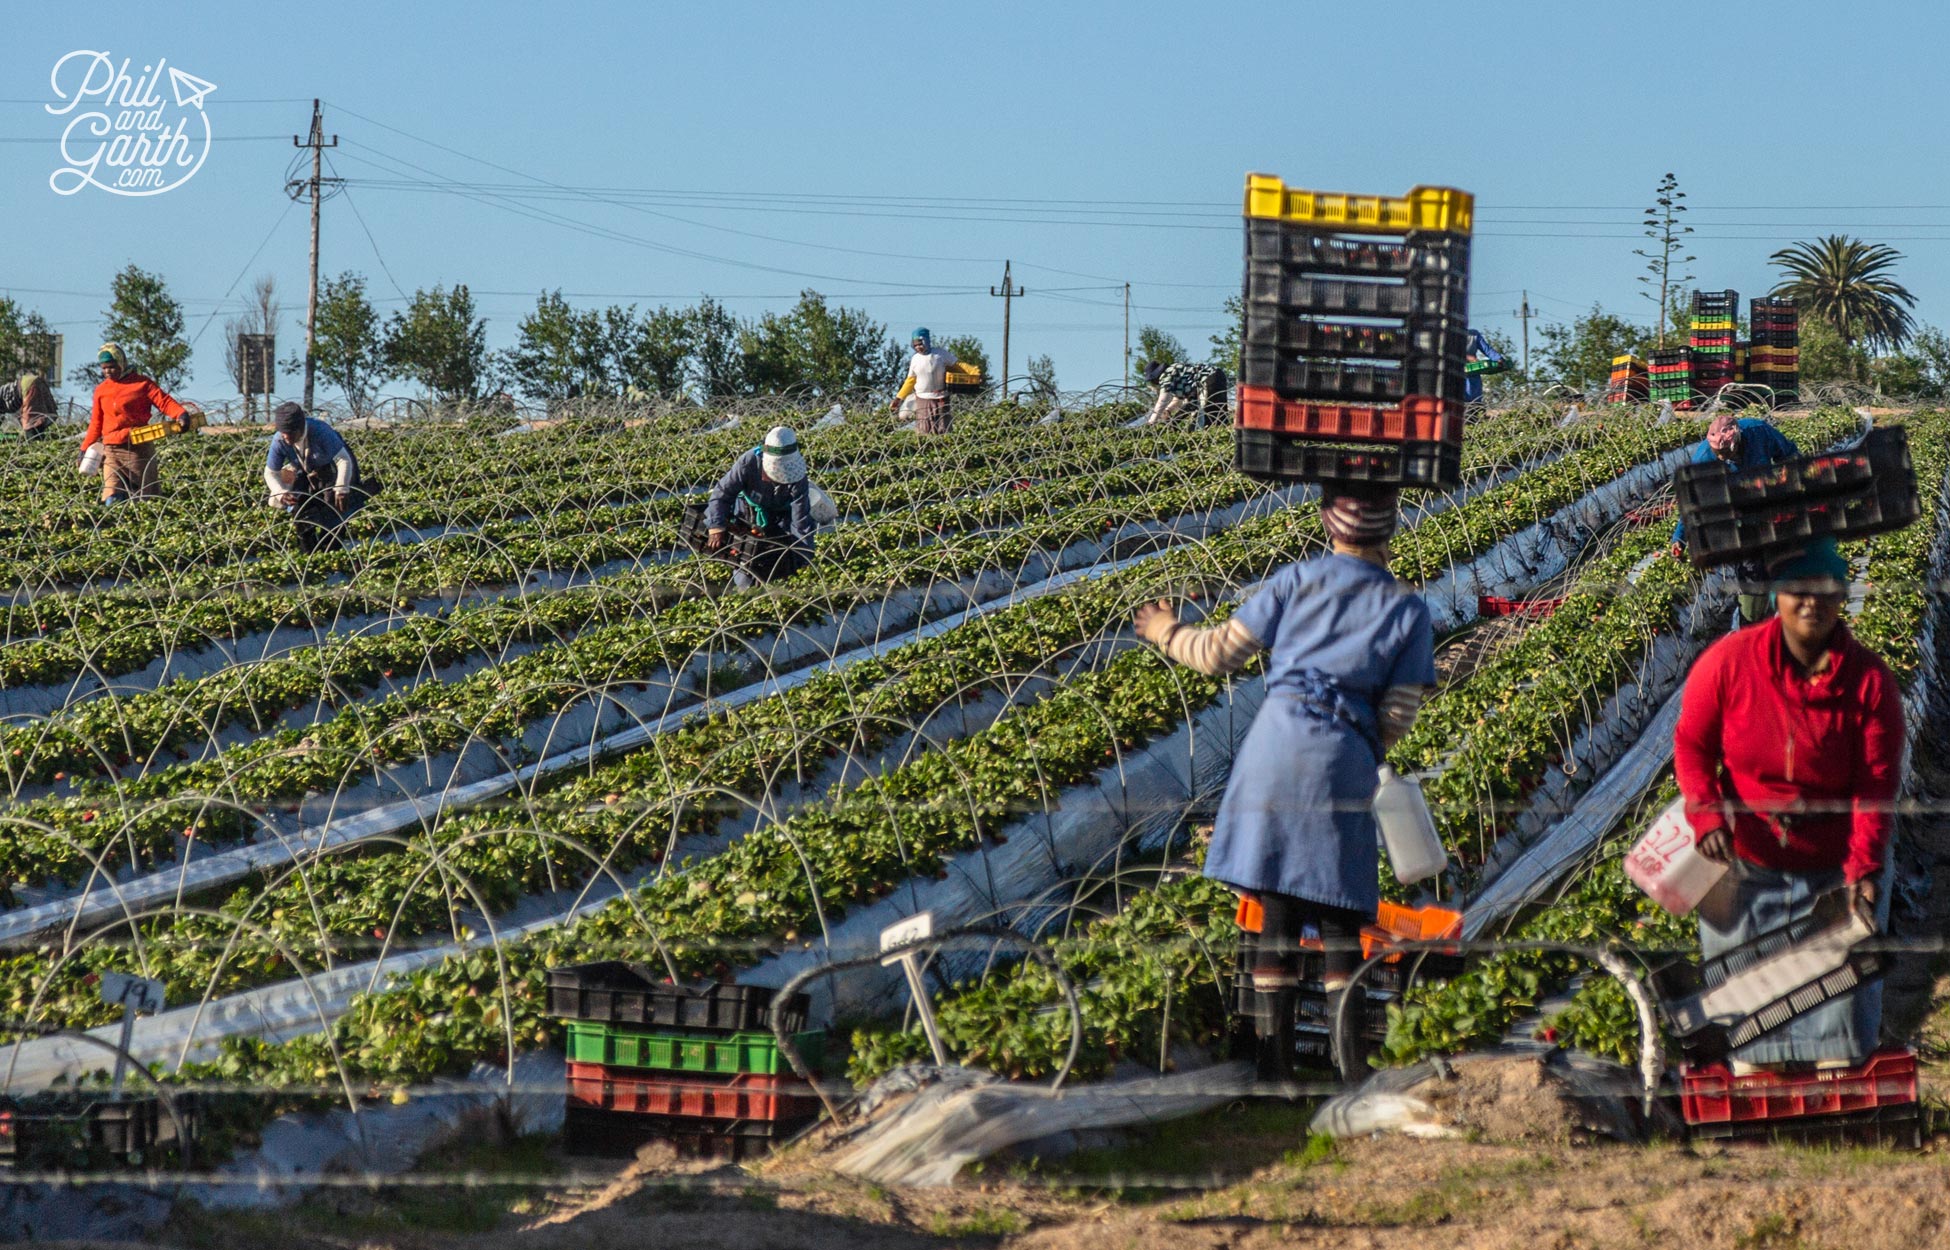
{"points": [[766, 497], [1181, 383], [927, 379], [31, 401], [1736, 444], [124, 402], [313, 476]]}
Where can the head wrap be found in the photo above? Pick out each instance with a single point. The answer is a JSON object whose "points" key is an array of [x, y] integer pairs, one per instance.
{"points": [[112, 352], [1154, 371], [289, 419], [28, 381], [1359, 516], [781, 458], [1723, 435], [921, 333], [1819, 560]]}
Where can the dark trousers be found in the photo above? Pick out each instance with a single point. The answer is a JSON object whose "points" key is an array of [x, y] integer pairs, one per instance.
{"points": [[1279, 953]]}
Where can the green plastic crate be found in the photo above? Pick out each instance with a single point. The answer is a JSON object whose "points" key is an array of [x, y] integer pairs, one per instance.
{"points": [[723, 1053]]}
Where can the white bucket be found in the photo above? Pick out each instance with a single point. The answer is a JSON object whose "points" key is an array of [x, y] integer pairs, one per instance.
{"points": [[1668, 866]]}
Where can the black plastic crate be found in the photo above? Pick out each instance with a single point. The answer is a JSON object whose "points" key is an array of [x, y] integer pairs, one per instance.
{"points": [[1341, 381], [70, 1130], [1714, 301], [1668, 356], [1900, 1126], [1274, 457], [620, 1134], [1876, 508], [615, 992], [1271, 286], [1421, 253], [1437, 337], [1884, 452]]}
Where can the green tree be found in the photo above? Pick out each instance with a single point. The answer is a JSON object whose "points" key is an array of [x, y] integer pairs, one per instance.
{"points": [[827, 350], [1668, 238], [1041, 371], [558, 352], [648, 354], [1579, 355], [348, 344], [1847, 283], [717, 359], [440, 343], [1225, 344], [26, 343], [1825, 357], [966, 348], [1155, 344], [147, 321]]}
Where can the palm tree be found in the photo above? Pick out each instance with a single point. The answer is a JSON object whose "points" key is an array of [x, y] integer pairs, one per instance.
{"points": [[1845, 282]]}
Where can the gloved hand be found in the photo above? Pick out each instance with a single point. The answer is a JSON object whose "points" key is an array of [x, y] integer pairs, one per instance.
{"points": [[340, 498], [286, 500], [1679, 551], [1155, 622], [714, 540]]}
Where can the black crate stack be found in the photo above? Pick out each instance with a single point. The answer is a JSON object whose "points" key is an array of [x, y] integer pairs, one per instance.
{"points": [[695, 1066], [1711, 340], [1356, 334], [1774, 359], [1773, 510]]}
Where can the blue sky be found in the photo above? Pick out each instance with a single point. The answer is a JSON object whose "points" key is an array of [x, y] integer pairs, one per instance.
{"points": [[893, 156]]}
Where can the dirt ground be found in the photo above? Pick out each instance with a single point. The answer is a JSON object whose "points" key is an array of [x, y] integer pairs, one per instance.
{"points": [[1240, 1177]]}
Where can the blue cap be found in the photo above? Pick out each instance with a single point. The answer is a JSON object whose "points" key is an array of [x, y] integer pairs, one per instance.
{"points": [[922, 334]]}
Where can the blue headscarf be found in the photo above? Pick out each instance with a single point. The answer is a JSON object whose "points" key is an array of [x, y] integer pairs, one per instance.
{"points": [[927, 340], [1819, 559]]}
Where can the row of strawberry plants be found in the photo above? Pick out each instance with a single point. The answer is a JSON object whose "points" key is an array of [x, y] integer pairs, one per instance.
{"points": [[405, 726]]}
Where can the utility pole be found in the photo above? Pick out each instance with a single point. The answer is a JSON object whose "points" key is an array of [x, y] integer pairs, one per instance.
{"points": [[1008, 293], [1525, 314], [1127, 334], [316, 142]]}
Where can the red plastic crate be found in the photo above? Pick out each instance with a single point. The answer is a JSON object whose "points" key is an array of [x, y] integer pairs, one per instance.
{"points": [[1531, 609], [745, 1096], [1713, 1095], [1417, 419]]}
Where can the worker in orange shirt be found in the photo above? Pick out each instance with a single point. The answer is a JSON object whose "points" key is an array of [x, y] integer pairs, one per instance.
{"points": [[124, 402]]}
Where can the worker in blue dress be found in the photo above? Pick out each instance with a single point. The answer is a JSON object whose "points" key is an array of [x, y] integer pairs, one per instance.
{"points": [[1352, 656], [1739, 443], [1489, 361]]}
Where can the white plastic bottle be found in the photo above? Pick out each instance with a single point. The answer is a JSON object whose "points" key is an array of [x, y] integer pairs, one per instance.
{"points": [[1668, 866], [1406, 828]]}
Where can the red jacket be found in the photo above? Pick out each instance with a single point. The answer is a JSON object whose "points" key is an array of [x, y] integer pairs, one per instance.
{"points": [[125, 404], [1810, 766]]}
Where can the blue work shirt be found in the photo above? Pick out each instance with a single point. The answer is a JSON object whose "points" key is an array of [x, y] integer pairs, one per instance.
{"points": [[1295, 819], [322, 446], [787, 507], [1760, 443], [1479, 349]]}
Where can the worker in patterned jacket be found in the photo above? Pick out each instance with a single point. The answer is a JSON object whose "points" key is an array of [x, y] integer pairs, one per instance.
{"points": [[1181, 383], [766, 498], [30, 400]]}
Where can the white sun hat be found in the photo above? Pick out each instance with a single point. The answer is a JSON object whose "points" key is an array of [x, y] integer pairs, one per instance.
{"points": [[780, 456]]}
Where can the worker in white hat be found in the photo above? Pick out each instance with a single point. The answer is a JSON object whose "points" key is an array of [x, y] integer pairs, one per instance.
{"points": [[761, 509]]}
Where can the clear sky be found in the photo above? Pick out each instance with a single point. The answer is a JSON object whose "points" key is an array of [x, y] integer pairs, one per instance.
{"points": [[891, 156]]}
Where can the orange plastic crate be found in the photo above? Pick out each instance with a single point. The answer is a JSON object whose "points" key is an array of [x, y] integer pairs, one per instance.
{"points": [[1417, 419], [1393, 923]]}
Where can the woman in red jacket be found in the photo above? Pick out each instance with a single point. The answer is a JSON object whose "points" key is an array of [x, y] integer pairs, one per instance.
{"points": [[124, 402], [1789, 753]]}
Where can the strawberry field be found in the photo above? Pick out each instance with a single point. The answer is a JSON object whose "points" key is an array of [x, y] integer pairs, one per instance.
{"points": [[349, 806]]}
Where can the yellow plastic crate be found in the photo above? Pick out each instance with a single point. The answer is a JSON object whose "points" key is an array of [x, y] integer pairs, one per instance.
{"points": [[961, 373], [150, 433], [1626, 359], [1423, 208]]}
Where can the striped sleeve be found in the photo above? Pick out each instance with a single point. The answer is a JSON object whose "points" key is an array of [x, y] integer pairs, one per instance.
{"points": [[1221, 649], [1399, 705]]}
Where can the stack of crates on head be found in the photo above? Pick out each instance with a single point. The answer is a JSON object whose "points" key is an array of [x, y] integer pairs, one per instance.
{"points": [[1670, 374], [1629, 382], [1711, 341], [1775, 357], [1356, 334], [696, 1066], [1774, 510]]}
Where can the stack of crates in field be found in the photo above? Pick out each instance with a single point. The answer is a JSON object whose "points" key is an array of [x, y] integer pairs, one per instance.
{"points": [[1356, 334], [1774, 360], [1711, 340], [1629, 384], [697, 1067], [1871, 1104], [1670, 376]]}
